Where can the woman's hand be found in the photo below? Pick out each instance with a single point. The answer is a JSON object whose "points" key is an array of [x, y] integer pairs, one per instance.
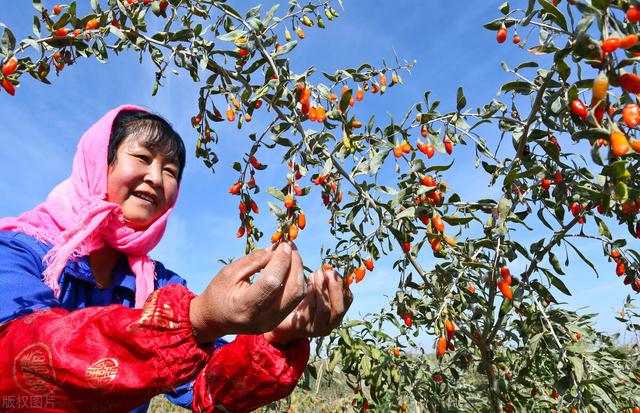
{"points": [[321, 310], [232, 304]]}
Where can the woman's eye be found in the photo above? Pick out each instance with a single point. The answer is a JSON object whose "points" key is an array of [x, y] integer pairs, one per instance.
{"points": [[142, 157], [172, 172]]}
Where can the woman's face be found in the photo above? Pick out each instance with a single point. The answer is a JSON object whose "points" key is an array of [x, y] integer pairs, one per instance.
{"points": [[143, 183]]}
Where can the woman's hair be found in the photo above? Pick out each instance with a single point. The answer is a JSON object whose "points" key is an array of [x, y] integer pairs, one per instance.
{"points": [[151, 131]]}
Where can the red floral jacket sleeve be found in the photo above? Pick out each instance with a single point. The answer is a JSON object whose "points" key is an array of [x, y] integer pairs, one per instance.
{"points": [[248, 373], [113, 359]]}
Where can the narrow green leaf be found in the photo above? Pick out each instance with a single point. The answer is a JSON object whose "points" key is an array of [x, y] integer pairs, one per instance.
{"points": [[461, 100], [581, 255]]}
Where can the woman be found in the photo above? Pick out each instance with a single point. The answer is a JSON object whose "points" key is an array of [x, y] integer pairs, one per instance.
{"points": [[73, 268]]}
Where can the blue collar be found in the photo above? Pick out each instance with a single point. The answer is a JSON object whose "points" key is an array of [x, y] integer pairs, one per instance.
{"points": [[123, 277]]}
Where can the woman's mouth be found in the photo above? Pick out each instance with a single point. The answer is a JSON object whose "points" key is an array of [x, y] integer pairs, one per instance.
{"points": [[145, 197]]}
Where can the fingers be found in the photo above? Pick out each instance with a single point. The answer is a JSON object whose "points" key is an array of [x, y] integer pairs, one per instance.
{"points": [[245, 267], [322, 312], [273, 276], [295, 284], [337, 297]]}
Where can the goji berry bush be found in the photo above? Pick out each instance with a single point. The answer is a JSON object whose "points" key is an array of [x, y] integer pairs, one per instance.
{"points": [[502, 341]]}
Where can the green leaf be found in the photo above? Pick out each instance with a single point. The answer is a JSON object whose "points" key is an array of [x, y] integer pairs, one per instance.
{"points": [[118, 33], [344, 101], [581, 255], [386, 190], [376, 161], [275, 192], [286, 48], [603, 394], [602, 228], [617, 170], [457, 220], [7, 41], [554, 14], [578, 367], [555, 263], [563, 70], [584, 24], [461, 100], [233, 35], [37, 4], [282, 141], [254, 11], [407, 213], [438, 168], [504, 8], [620, 192], [519, 86], [276, 210], [231, 11], [270, 14], [557, 282]]}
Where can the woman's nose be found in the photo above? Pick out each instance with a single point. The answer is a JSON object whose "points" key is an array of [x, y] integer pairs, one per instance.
{"points": [[154, 174]]}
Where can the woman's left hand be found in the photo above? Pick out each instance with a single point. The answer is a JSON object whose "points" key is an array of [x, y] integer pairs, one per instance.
{"points": [[320, 311]]}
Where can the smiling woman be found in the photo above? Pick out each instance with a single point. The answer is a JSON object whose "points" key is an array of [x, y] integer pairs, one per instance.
{"points": [[146, 159], [73, 268]]}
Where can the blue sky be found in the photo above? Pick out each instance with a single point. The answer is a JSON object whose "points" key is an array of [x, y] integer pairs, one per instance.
{"points": [[42, 124]]}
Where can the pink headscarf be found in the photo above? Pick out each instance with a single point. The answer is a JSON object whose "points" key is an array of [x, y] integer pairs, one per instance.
{"points": [[77, 219]]}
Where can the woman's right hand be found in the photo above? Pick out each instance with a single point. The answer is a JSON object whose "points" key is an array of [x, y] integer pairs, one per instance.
{"points": [[232, 304]]}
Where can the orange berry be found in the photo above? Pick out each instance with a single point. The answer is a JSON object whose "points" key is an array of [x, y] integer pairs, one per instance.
{"points": [[441, 346], [231, 116], [302, 220], [313, 114], [436, 245], [235, 188], [10, 67], [61, 32], [293, 232], [633, 15], [359, 273], [628, 41], [505, 289], [451, 329], [610, 45], [505, 274], [408, 320], [322, 114], [369, 264], [502, 34], [619, 143], [8, 86], [349, 279], [276, 237], [438, 224], [448, 145], [289, 201], [92, 24]]}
